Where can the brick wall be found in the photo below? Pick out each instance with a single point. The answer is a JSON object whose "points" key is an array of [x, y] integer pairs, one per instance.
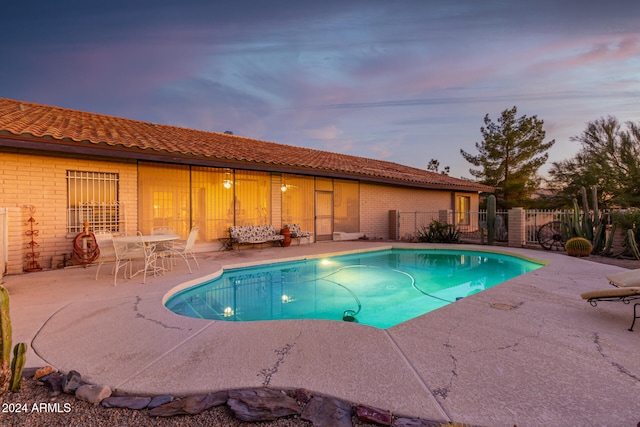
{"points": [[377, 200], [41, 182]]}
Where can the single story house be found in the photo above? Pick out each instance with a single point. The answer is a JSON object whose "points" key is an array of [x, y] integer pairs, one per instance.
{"points": [[61, 167]]}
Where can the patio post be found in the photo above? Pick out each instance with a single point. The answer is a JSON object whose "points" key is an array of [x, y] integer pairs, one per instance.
{"points": [[517, 225]]}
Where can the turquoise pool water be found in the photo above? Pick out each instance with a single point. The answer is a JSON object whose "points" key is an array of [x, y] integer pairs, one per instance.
{"points": [[380, 289]]}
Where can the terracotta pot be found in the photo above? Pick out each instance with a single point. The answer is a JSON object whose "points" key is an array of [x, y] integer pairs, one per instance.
{"points": [[287, 237]]}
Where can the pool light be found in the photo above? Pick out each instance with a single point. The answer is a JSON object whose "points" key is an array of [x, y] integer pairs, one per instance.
{"points": [[228, 312]]}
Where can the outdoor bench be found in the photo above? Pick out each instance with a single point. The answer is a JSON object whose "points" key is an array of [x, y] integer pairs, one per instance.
{"points": [[252, 234]]}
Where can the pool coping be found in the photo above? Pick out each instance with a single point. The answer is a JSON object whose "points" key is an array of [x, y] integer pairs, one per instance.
{"points": [[527, 352]]}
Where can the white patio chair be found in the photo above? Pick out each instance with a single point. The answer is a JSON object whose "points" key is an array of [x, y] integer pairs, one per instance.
{"points": [[104, 239], [120, 250], [163, 248], [141, 251], [185, 249]]}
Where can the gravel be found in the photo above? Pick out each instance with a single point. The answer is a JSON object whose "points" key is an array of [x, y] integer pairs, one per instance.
{"points": [[66, 410]]}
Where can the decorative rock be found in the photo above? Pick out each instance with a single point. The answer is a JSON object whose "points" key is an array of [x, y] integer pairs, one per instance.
{"points": [[71, 382], [93, 393], [131, 402], [190, 405], [54, 381], [327, 412], [159, 400], [414, 422], [46, 370], [303, 396], [374, 415], [261, 404]]}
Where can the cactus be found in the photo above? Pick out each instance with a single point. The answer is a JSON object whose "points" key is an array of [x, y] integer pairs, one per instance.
{"points": [[631, 244], [10, 370], [590, 225], [491, 218], [17, 365], [578, 246], [606, 250]]}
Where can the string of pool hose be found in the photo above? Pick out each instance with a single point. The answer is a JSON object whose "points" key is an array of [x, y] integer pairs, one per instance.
{"points": [[413, 282]]}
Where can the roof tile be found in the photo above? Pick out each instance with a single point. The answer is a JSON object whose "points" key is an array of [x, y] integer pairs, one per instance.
{"points": [[30, 120]]}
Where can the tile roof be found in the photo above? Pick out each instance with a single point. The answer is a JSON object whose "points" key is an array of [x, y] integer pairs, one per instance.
{"points": [[54, 125]]}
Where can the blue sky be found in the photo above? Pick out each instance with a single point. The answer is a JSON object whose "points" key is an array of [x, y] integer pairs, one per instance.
{"points": [[404, 81]]}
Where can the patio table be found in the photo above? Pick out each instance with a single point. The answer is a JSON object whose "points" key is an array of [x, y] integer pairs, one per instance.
{"points": [[150, 242]]}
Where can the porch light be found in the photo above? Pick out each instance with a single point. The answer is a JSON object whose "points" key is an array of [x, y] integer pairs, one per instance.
{"points": [[283, 188], [227, 183]]}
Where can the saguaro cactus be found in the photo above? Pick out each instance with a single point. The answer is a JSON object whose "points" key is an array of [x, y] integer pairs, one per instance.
{"points": [[10, 370]]}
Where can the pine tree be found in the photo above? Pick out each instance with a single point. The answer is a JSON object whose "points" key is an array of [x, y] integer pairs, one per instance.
{"points": [[510, 155]]}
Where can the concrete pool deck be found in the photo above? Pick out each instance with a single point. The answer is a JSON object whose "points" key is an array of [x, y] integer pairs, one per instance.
{"points": [[528, 352]]}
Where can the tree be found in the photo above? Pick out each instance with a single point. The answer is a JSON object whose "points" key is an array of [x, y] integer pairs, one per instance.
{"points": [[510, 155], [434, 166], [609, 158]]}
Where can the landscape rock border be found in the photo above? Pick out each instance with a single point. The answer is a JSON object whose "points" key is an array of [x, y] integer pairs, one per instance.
{"points": [[249, 405]]}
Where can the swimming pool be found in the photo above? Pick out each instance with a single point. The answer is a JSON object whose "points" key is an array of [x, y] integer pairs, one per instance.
{"points": [[380, 288]]}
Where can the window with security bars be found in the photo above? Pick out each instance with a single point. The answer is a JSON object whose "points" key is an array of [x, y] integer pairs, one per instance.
{"points": [[92, 198]]}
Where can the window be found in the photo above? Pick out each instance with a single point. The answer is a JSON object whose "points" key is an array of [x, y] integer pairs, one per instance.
{"points": [[463, 204], [346, 206], [92, 197], [297, 200], [252, 198], [164, 197]]}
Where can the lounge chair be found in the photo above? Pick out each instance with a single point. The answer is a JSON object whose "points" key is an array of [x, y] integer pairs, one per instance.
{"points": [[630, 278], [626, 289]]}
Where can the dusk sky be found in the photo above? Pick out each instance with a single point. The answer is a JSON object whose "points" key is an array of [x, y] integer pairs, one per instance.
{"points": [[403, 81]]}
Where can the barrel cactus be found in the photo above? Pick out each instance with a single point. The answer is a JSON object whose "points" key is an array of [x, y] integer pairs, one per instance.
{"points": [[578, 246]]}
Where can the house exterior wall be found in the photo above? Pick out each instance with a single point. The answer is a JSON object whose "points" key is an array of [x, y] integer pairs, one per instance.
{"points": [[377, 200], [41, 182]]}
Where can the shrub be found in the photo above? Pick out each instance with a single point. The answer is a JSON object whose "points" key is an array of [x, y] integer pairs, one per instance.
{"points": [[438, 232]]}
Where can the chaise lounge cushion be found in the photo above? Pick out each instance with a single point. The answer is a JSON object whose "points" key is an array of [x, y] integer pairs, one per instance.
{"points": [[625, 279], [611, 293]]}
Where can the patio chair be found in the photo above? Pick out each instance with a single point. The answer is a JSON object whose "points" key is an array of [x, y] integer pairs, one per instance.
{"points": [[620, 294], [104, 239], [120, 250], [162, 247], [184, 249], [298, 234], [141, 251]]}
